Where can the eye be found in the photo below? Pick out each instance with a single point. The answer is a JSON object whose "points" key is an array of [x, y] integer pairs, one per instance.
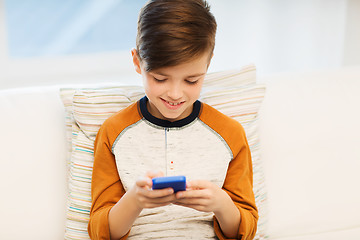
{"points": [[192, 82], [158, 80]]}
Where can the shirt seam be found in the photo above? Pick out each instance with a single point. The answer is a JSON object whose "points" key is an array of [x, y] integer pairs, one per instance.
{"points": [[220, 137], [122, 133]]}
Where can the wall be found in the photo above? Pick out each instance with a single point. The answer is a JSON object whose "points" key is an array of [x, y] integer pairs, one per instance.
{"points": [[352, 34], [280, 35], [276, 35]]}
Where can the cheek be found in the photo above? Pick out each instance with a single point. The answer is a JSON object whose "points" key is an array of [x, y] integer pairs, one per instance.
{"points": [[194, 91], [197, 93], [152, 88]]}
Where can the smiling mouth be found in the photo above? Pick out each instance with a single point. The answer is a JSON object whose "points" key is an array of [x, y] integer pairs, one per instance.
{"points": [[173, 103]]}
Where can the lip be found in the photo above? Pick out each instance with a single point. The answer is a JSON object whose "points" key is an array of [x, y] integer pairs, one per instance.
{"points": [[172, 107]]}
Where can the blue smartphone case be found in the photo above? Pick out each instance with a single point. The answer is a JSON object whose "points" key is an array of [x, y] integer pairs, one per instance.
{"points": [[178, 183]]}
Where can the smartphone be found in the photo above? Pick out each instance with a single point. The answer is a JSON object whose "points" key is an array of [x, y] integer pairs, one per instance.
{"points": [[178, 183]]}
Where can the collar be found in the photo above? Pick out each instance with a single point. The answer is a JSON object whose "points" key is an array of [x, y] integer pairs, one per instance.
{"points": [[165, 123]]}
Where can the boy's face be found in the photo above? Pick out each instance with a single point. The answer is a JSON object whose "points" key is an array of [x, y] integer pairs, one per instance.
{"points": [[173, 90]]}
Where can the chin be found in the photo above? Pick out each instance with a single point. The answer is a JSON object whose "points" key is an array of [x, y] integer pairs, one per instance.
{"points": [[171, 118]]}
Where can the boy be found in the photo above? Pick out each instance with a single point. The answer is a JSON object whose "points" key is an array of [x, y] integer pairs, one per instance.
{"points": [[170, 131]]}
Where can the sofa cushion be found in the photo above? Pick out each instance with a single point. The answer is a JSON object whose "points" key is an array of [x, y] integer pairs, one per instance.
{"points": [[310, 136], [346, 234], [32, 164], [88, 108]]}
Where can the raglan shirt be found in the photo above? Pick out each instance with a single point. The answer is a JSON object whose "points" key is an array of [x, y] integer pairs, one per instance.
{"points": [[206, 145]]}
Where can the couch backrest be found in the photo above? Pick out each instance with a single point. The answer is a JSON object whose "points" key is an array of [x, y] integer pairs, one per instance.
{"points": [[32, 164], [309, 131], [310, 143]]}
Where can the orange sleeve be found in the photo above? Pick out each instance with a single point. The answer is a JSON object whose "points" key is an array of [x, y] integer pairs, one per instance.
{"points": [[239, 185], [106, 186], [239, 179]]}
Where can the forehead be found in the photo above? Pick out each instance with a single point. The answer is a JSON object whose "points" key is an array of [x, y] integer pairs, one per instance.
{"points": [[194, 67]]}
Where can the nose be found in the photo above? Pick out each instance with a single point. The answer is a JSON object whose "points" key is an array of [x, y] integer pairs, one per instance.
{"points": [[175, 91]]}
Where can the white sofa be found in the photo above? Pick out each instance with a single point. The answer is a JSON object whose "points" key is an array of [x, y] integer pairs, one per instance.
{"points": [[310, 146]]}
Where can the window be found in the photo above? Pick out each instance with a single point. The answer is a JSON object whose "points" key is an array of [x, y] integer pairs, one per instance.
{"points": [[75, 41], [67, 41], [64, 27]]}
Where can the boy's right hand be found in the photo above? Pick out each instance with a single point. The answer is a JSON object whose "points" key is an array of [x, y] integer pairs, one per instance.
{"points": [[145, 197]]}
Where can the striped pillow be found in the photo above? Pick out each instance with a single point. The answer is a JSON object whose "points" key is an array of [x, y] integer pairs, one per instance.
{"points": [[86, 110], [234, 93], [242, 104], [232, 78]]}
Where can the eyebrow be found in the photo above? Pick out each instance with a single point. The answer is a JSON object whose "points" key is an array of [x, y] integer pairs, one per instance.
{"points": [[191, 76]]}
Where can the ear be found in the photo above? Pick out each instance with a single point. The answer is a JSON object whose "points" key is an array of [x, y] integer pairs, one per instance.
{"points": [[136, 60]]}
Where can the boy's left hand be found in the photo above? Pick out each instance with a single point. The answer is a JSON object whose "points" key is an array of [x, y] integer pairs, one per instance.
{"points": [[203, 196]]}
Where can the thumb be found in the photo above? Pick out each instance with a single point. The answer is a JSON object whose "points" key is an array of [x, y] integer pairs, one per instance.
{"points": [[153, 174]]}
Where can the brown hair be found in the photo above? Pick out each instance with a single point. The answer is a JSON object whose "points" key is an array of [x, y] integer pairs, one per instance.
{"points": [[171, 32]]}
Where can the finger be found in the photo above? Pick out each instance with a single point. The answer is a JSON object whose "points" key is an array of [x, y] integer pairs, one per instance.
{"points": [[152, 174], [158, 201], [151, 201], [144, 182], [163, 200], [198, 184], [157, 193], [193, 194], [193, 201], [201, 208]]}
